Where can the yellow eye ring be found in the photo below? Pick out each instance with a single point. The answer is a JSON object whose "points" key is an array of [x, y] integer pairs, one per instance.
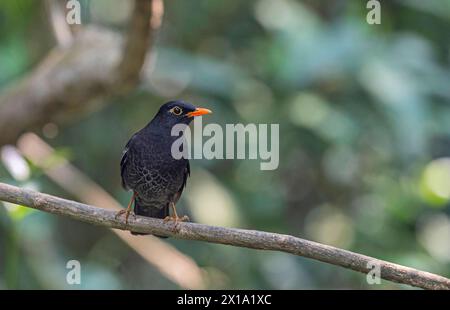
{"points": [[176, 110]]}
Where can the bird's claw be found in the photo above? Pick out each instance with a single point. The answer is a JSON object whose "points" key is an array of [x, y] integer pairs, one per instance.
{"points": [[119, 213], [185, 218], [127, 215], [176, 219]]}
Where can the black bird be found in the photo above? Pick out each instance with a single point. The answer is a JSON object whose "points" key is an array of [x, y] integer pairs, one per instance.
{"points": [[148, 168]]}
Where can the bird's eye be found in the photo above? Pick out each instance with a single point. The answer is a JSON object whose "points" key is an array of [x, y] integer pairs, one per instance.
{"points": [[177, 110]]}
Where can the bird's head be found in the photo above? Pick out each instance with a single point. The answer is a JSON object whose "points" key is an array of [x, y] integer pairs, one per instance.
{"points": [[178, 112]]}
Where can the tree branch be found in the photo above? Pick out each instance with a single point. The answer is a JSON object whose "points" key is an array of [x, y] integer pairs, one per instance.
{"points": [[98, 64], [139, 39], [61, 30], [231, 236]]}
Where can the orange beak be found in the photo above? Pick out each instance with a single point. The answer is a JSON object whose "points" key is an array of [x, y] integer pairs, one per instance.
{"points": [[198, 112]]}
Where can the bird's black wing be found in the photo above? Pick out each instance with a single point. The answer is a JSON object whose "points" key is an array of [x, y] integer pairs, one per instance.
{"points": [[124, 161], [187, 173]]}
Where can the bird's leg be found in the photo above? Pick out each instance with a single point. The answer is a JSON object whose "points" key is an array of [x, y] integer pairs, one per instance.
{"points": [[175, 216], [128, 209]]}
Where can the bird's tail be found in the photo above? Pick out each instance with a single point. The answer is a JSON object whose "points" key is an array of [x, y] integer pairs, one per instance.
{"points": [[141, 209]]}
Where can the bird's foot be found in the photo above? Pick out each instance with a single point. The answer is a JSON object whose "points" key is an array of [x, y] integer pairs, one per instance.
{"points": [[127, 215], [177, 219]]}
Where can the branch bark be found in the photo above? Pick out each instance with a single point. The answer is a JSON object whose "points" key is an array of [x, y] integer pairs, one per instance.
{"points": [[231, 236]]}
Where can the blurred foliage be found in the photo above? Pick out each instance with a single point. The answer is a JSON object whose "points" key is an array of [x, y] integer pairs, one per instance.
{"points": [[364, 120]]}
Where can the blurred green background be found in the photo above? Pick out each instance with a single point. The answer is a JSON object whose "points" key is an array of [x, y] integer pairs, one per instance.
{"points": [[364, 114]]}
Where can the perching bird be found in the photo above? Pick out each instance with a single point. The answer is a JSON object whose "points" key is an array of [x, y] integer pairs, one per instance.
{"points": [[148, 168]]}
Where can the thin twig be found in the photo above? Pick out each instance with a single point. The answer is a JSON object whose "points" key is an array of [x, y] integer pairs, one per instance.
{"points": [[61, 29], [231, 236], [139, 39]]}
